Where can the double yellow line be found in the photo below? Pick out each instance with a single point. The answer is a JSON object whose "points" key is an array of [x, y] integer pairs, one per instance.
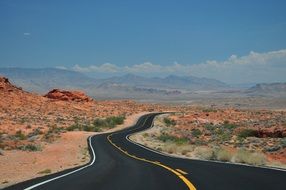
{"points": [[178, 174]]}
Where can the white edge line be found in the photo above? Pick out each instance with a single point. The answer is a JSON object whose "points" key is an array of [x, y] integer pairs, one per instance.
{"points": [[185, 158], [74, 171], [69, 173]]}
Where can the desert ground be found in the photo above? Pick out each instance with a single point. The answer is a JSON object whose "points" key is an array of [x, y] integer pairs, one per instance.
{"points": [[255, 137], [40, 135], [43, 134]]}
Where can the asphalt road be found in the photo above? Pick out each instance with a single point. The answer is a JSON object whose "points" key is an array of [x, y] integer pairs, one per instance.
{"points": [[118, 164]]}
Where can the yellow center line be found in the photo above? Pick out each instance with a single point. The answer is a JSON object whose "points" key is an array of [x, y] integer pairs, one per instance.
{"points": [[179, 173], [182, 172]]}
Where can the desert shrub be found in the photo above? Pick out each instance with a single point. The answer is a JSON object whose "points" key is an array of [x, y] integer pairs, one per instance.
{"points": [[272, 148], [109, 122], [209, 126], [46, 171], [244, 156], [226, 136], [185, 149], [205, 153], [247, 133], [97, 125], [74, 127], [145, 135], [87, 127], [165, 137], [98, 122], [257, 159], [20, 135], [169, 122], [35, 132], [50, 135], [209, 110], [196, 133], [241, 156], [177, 140], [283, 142], [229, 126], [223, 155], [31, 147], [116, 120]]}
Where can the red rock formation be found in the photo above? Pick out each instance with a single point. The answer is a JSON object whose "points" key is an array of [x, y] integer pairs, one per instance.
{"points": [[65, 95], [5, 85]]}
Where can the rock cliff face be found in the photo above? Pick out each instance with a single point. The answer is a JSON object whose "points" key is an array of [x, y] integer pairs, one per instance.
{"points": [[65, 95]]}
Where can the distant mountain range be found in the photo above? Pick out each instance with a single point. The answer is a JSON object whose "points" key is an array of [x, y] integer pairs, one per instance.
{"points": [[271, 89], [129, 85], [126, 86]]}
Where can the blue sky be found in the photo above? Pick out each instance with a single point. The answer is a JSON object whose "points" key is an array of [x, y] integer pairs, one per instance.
{"points": [[122, 36]]}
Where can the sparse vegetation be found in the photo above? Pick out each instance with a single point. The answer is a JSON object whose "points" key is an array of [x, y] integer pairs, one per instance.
{"points": [[98, 124], [247, 133], [20, 135], [209, 110], [177, 140], [169, 122], [46, 171], [223, 155], [30, 147], [253, 158], [196, 132], [283, 143], [203, 152]]}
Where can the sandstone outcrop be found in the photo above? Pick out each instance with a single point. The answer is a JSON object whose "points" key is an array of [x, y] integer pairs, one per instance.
{"points": [[66, 95], [5, 85]]}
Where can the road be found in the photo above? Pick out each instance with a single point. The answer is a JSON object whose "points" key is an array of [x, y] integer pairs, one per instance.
{"points": [[118, 164]]}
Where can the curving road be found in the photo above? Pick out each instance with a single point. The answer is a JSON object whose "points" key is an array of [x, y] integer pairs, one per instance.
{"points": [[117, 163]]}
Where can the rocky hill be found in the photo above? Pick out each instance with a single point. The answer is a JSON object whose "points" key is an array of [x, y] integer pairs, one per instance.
{"points": [[268, 89]]}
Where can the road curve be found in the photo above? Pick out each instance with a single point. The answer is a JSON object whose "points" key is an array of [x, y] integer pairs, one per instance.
{"points": [[117, 163]]}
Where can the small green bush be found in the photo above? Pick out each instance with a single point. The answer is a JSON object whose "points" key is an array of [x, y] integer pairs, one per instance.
{"points": [[98, 124], [73, 127], [196, 133], [229, 126], [247, 133], [209, 126], [169, 122], [116, 120], [177, 140], [20, 135], [31, 147]]}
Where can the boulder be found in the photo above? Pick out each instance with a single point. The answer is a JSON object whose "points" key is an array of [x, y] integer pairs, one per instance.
{"points": [[65, 95]]}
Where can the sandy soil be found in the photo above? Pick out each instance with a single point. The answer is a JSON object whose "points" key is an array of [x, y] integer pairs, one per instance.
{"points": [[68, 151]]}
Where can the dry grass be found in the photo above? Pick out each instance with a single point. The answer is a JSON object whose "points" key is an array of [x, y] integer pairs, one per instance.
{"points": [[205, 153], [247, 157], [223, 155]]}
